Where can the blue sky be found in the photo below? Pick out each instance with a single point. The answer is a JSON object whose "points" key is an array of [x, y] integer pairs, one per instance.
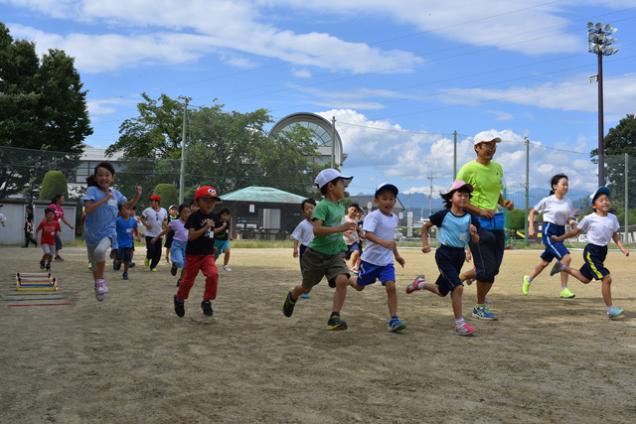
{"points": [[398, 76]]}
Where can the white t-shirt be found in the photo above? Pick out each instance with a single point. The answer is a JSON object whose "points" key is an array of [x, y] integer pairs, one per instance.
{"points": [[155, 220], [383, 227], [352, 236], [555, 211], [599, 229], [304, 232]]}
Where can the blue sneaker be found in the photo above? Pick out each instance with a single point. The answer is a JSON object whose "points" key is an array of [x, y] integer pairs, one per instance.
{"points": [[396, 324], [305, 296], [615, 312], [483, 312]]}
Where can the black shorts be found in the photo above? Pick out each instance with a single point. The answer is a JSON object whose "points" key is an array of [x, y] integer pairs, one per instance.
{"points": [[488, 254], [169, 238], [593, 268], [449, 262], [124, 254]]}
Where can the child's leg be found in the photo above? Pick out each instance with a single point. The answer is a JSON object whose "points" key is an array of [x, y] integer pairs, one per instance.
{"points": [[606, 290], [339, 296], [576, 274], [100, 258], [471, 274], [209, 269], [456, 301], [190, 271], [538, 269], [566, 260], [126, 266], [178, 252], [391, 295], [355, 260], [226, 258], [298, 290]]}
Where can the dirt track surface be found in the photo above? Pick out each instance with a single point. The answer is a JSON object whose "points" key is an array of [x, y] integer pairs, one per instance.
{"points": [[130, 359]]}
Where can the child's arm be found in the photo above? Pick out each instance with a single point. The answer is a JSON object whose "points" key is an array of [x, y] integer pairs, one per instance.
{"points": [[425, 228], [474, 235], [67, 224], [531, 216], [387, 244], [221, 228], [572, 233], [161, 234], [617, 239], [320, 230], [91, 205], [195, 234], [506, 203], [295, 254], [133, 202]]}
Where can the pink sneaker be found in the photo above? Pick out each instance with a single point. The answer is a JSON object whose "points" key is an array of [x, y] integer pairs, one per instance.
{"points": [[415, 285], [465, 330], [101, 288]]}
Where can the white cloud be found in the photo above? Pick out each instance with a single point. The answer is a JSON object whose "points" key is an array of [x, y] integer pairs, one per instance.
{"points": [[501, 115], [573, 94], [106, 106], [301, 73]]}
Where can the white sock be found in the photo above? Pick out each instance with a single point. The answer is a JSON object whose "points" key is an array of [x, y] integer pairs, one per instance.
{"points": [[459, 322], [529, 279], [421, 284], [609, 308]]}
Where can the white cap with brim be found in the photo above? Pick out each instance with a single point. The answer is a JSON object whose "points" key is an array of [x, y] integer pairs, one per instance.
{"points": [[326, 176], [599, 191], [386, 186], [486, 137]]}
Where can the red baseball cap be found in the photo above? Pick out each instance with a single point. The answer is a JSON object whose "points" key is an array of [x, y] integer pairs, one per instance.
{"points": [[155, 197], [206, 191]]}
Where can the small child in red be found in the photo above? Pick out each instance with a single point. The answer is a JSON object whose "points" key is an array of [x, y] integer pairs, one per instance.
{"points": [[199, 254], [49, 227]]}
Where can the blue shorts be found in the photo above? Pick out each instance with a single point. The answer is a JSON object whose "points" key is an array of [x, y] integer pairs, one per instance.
{"points": [[220, 246], [449, 262], [300, 255], [369, 273], [553, 249], [593, 268], [355, 247]]}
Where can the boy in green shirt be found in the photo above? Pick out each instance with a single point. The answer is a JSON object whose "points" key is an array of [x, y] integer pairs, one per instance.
{"points": [[486, 177], [325, 255]]}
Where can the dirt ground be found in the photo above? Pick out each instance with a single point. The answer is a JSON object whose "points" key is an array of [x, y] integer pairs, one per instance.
{"points": [[130, 359]]}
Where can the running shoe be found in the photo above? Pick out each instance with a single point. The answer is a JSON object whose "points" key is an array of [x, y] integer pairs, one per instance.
{"points": [[179, 307], [173, 270], [615, 312], [483, 312], [147, 262], [227, 268], [90, 265], [206, 306], [116, 265], [58, 258], [415, 285], [288, 306], [131, 265], [465, 330], [566, 294], [124, 276], [305, 296], [101, 288], [558, 267], [396, 324], [153, 269], [178, 282], [336, 324], [469, 281], [42, 264], [332, 283], [525, 285], [48, 266]]}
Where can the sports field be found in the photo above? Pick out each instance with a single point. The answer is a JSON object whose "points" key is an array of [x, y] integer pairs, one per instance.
{"points": [[130, 359]]}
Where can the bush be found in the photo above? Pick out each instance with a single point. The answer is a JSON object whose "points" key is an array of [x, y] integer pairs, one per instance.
{"points": [[516, 219], [169, 194], [54, 182]]}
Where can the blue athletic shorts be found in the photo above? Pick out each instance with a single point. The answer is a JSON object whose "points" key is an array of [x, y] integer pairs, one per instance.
{"points": [[355, 247], [220, 246], [449, 262], [553, 249], [369, 273], [593, 268]]}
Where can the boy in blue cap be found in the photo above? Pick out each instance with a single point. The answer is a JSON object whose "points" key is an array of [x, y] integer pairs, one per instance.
{"points": [[601, 227]]}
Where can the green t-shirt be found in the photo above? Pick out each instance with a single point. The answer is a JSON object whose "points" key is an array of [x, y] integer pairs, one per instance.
{"points": [[331, 214], [487, 182]]}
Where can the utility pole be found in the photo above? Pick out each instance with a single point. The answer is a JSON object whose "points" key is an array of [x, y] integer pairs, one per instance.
{"points": [[430, 197], [183, 143], [333, 141], [626, 235], [600, 43], [454, 154], [527, 143]]}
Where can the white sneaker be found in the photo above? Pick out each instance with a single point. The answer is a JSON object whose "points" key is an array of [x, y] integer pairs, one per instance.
{"points": [[101, 288], [227, 268]]}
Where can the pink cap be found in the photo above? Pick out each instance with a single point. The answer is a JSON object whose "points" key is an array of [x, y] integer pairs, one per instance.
{"points": [[457, 184]]}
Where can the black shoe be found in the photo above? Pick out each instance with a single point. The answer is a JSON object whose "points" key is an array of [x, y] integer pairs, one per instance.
{"points": [[332, 283], [178, 282], [288, 306], [206, 306], [48, 266], [131, 265], [116, 265], [173, 270], [179, 307], [124, 276], [42, 264], [336, 324]]}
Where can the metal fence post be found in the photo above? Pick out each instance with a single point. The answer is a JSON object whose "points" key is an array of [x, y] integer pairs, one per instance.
{"points": [[626, 233]]}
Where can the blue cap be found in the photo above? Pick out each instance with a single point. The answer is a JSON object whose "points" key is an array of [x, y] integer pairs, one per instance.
{"points": [[598, 192]]}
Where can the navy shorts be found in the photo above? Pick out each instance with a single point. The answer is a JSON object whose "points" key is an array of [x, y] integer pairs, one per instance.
{"points": [[355, 247], [300, 255], [124, 254], [369, 273], [593, 268], [449, 262], [488, 254], [553, 249], [169, 238]]}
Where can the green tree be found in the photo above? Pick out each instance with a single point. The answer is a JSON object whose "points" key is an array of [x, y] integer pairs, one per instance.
{"points": [[169, 194], [42, 107], [516, 219], [54, 182]]}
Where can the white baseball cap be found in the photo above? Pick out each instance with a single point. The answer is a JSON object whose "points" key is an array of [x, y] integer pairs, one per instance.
{"points": [[485, 137], [326, 176], [387, 186]]}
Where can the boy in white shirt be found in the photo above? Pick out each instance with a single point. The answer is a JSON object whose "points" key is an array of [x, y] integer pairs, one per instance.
{"points": [[303, 234], [601, 227], [377, 259]]}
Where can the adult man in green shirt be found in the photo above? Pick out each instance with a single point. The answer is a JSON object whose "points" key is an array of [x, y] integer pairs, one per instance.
{"points": [[486, 177]]}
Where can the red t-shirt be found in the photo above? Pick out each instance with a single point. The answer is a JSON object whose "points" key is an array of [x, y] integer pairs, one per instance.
{"points": [[49, 229]]}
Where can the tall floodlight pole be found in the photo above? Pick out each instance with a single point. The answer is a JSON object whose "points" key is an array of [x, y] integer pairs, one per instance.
{"points": [[333, 141], [183, 143], [454, 154], [600, 42], [527, 188]]}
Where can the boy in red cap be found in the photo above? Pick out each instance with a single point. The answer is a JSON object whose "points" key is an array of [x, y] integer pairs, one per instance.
{"points": [[200, 252]]}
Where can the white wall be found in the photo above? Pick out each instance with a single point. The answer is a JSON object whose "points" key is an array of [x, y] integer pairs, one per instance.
{"points": [[13, 231]]}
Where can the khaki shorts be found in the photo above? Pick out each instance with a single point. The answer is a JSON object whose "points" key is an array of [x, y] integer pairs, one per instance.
{"points": [[317, 265]]}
